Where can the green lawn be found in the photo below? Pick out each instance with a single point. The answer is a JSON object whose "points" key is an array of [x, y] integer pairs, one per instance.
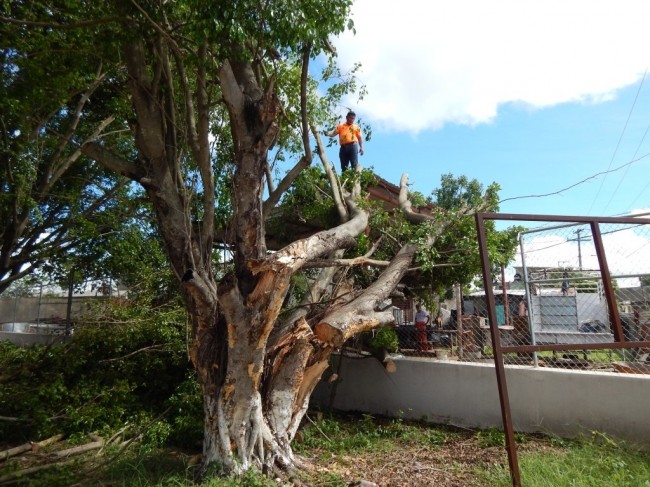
{"points": [[389, 452]]}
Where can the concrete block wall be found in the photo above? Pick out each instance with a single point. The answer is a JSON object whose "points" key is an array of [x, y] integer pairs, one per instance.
{"points": [[559, 402]]}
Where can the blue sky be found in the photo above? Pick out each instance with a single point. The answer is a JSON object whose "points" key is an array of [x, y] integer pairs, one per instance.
{"points": [[536, 96]]}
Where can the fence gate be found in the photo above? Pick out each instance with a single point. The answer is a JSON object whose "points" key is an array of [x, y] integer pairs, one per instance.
{"points": [[579, 299]]}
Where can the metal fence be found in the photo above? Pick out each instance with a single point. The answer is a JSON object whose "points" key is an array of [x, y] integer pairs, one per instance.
{"points": [[30, 306], [577, 292]]}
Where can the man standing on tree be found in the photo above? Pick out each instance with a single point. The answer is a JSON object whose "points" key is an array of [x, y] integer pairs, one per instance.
{"points": [[349, 136]]}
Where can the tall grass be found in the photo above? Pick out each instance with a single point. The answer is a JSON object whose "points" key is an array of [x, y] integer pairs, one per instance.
{"points": [[580, 463]]}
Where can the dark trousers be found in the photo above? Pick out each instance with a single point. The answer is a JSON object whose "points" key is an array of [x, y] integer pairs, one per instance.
{"points": [[349, 154]]}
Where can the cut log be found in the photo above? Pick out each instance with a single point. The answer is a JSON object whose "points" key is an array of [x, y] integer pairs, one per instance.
{"points": [[16, 450], [27, 471], [48, 441], [78, 449], [29, 447]]}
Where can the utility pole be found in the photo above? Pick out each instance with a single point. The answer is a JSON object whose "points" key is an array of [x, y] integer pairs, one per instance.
{"points": [[577, 232]]}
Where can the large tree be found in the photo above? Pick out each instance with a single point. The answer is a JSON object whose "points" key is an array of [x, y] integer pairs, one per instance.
{"points": [[213, 92], [53, 197]]}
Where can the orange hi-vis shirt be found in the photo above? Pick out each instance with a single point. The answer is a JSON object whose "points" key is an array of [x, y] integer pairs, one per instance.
{"points": [[348, 134]]}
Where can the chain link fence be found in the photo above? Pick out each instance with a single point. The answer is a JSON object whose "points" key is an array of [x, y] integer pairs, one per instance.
{"points": [[31, 307], [575, 294]]}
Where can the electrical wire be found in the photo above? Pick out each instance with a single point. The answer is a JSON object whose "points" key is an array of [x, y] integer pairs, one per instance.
{"points": [[593, 176], [638, 147], [618, 144]]}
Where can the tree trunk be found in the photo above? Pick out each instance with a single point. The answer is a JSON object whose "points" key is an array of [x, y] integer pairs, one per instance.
{"points": [[256, 386]]}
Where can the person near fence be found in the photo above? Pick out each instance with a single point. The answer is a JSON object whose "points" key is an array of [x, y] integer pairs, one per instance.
{"points": [[422, 320], [522, 311]]}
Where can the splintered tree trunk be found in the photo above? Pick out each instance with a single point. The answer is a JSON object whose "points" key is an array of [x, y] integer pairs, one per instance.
{"points": [[254, 400], [257, 393]]}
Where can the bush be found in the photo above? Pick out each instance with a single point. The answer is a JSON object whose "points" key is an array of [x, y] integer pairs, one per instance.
{"points": [[127, 368], [385, 338]]}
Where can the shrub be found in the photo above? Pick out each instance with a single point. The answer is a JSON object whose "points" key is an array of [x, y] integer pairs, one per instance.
{"points": [[385, 338], [126, 368]]}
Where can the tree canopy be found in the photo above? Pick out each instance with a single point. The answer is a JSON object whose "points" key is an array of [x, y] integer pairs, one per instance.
{"points": [[202, 97], [56, 93]]}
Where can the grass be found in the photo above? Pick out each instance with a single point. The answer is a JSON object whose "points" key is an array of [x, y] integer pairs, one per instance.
{"points": [[390, 452], [337, 435], [580, 463]]}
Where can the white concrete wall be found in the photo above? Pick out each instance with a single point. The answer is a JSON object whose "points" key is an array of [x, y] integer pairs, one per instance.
{"points": [[29, 339], [553, 401]]}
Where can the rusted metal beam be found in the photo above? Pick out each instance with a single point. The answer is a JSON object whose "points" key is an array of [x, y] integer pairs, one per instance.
{"points": [[564, 218], [506, 416], [610, 297]]}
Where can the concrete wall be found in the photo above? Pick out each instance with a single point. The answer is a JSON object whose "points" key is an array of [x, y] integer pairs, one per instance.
{"points": [[553, 401], [29, 339]]}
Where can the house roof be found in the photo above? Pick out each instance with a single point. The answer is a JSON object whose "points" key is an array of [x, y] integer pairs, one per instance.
{"points": [[388, 193], [382, 191]]}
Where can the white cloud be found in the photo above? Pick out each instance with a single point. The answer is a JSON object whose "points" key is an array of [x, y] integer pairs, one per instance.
{"points": [[430, 63]]}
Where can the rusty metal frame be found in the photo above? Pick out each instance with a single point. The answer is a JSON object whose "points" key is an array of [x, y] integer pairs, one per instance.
{"points": [[499, 350]]}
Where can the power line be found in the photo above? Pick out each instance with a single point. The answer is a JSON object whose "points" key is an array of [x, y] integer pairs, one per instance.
{"points": [[627, 169], [594, 176], [635, 251], [629, 115], [587, 238]]}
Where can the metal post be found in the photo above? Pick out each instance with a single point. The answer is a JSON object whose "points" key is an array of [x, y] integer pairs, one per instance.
{"points": [[506, 310], [13, 325], [459, 322], [40, 302], [68, 313], [508, 429], [529, 300], [614, 317]]}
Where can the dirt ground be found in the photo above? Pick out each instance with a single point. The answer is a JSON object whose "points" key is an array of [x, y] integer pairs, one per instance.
{"points": [[406, 464], [416, 467], [444, 458]]}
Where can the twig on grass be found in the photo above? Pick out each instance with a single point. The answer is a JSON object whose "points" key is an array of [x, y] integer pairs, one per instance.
{"points": [[318, 428]]}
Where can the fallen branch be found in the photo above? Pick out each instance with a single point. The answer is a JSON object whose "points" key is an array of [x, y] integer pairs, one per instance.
{"points": [[78, 449], [122, 447], [17, 476], [16, 450], [47, 442], [152, 347], [112, 438], [30, 446]]}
